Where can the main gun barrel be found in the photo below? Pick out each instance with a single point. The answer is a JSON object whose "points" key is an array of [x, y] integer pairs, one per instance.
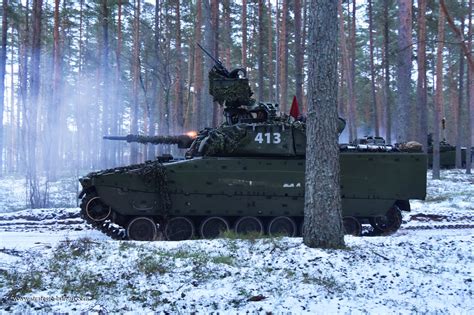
{"points": [[119, 138], [183, 141]]}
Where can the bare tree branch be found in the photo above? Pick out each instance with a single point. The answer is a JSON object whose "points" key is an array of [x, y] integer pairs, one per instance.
{"points": [[458, 33]]}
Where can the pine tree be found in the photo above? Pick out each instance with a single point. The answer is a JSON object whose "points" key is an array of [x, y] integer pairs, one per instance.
{"points": [[322, 218], [3, 63], [404, 70], [439, 95], [421, 89], [136, 81]]}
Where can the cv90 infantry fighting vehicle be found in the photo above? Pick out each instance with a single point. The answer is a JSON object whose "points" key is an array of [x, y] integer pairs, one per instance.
{"points": [[447, 153], [246, 175]]}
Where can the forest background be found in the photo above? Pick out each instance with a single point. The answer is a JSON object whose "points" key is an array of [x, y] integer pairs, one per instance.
{"points": [[73, 71]]}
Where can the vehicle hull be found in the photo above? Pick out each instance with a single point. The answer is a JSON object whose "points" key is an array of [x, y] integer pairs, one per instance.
{"points": [[265, 187]]}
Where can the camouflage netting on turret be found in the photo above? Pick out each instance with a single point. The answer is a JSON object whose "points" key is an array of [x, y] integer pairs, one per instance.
{"points": [[222, 141], [219, 141], [299, 125], [232, 92]]}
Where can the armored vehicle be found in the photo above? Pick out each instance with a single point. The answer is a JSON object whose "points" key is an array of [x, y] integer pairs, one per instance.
{"points": [[369, 140], [447, 154], [246, 175]]}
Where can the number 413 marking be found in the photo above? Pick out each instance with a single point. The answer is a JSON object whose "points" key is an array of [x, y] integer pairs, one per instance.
{"points": [[268, 138]]}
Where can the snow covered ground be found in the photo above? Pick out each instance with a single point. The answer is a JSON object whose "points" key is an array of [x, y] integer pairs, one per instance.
{"points": [[50, 261]]}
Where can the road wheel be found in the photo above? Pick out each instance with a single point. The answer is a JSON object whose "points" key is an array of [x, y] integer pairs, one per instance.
{"points": [[179, 229], [142, 229], [282, 226], [247, 225], [389, 223], [351, 226], [96, 210], [213, 227]]}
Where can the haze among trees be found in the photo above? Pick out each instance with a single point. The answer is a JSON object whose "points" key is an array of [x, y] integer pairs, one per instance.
{"points": [[73, 71]]}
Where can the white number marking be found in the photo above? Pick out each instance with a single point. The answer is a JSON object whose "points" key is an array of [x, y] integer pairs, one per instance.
{"points": [[268, 138], [259, 138], [276, 138]]}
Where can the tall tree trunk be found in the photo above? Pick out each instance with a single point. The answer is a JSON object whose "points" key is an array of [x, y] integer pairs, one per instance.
{"points": [[404, 70], [260, 50], [467, 50], [322, 214], [156, 88], [198, 71], [209, 37], [217, 116], [32, 111], [283, 58], [386, 64], [453, 94], [135, 81], [278, 52], [298, 53], [165, 76], [228, 33], [421, 88], [66, 153], [14, 140], [188, 115], [179, 103], [303, 44], [348, 75], [3, 64], [459, 120], [117, 104], [52, 134], [78, 140], [438, 95], [23, 91], [352, 58], [244, 33], [375, 123], [470, 106], [270, 54], [106, 115]]}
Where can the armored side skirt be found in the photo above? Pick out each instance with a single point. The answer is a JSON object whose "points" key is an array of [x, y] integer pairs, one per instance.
{"points": [[370, 184]]}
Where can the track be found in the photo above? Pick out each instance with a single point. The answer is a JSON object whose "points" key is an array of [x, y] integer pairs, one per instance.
{"points": [[107, 227], [69, 220], [117, 232]]}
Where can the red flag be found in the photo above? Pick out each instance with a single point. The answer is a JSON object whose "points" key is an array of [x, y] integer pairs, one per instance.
{"points": [[295, 110]]}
